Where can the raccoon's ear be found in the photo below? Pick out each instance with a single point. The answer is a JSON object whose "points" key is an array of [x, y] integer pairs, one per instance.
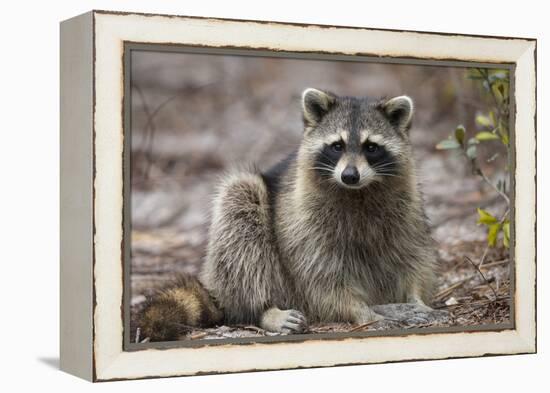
{"points": [[399, 111], [315, 105]]}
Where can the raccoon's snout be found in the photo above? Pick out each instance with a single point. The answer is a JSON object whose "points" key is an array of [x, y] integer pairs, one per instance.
{"points": [[350, 175]]}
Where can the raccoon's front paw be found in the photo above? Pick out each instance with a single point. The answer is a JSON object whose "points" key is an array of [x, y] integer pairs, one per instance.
{"points": [[283, 321]]}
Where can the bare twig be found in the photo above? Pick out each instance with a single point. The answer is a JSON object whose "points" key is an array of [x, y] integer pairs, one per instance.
{"points": [[483, 276], [198, 335], [150, 128], [479, 304], [480, 173], [251, 328], [483, 256], [362, 326], [450, 289], [495, 263]]}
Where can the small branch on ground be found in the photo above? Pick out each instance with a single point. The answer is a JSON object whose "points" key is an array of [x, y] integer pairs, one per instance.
{"points": [[447, 291], [362, 326], [483, 276], [198, 335]]}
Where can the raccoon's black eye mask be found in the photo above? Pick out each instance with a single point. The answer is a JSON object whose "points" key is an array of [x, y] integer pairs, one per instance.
{"points": [[329, 156], [337, 146], [372, 148], [380, 159]]}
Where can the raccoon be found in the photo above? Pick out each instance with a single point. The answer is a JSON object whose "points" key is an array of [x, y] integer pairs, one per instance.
{"points": [[335, 228]]}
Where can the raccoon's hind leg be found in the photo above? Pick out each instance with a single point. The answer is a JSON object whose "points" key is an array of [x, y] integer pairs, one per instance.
{"points": [[242, 269]]}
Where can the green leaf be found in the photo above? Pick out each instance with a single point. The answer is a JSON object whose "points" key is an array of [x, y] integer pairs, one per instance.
{"points": [[471, 152], [484, 121], [486, 136], [447, 144], [492, 235], [506, 231], [460, 131], [485, 217]]}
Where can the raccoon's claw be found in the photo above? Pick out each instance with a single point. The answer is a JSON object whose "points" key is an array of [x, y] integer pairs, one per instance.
{"points": [[284, 321], [295, 322], [297, 315]]}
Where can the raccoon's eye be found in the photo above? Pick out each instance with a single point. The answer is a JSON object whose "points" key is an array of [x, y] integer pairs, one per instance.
{"points": [[337, 146], [372, 147]]}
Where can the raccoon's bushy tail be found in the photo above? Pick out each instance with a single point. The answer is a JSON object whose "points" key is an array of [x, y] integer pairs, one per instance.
{"points": [[176, 309]]}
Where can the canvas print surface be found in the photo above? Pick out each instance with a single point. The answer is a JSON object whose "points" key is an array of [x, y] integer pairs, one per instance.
{"points": [[281, 196]]}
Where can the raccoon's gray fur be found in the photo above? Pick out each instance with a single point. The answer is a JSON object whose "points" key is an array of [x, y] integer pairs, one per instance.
{"points": [[335, 228]]}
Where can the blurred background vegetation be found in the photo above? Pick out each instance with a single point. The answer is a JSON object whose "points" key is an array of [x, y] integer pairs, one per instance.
{"points": [[492, 124], [195, 116]]}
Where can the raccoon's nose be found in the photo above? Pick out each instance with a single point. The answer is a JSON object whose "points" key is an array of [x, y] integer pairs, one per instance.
{"points": [[350, 175]]}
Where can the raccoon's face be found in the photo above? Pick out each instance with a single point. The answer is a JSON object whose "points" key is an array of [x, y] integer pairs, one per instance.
{"points": [[355, 141]]}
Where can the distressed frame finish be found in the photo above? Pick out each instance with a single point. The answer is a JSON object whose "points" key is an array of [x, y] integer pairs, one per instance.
{"points": [[93, 188]]}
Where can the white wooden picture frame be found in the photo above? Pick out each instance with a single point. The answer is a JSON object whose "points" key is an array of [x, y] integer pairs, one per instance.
{"points": [[93, 187]]}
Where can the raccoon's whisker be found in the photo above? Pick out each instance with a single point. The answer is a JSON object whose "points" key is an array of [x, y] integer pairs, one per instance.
{"points": [[324, 178], [387, 174], [385, 171], [382, 169], [322, 165], [320, 168], [386, 164], [330, 181]]}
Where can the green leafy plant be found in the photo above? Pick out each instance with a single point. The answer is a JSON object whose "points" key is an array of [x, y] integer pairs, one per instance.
{"points": [[492, 127]]}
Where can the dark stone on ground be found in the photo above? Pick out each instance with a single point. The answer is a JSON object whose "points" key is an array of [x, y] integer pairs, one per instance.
{"points": [[408, 315]]}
